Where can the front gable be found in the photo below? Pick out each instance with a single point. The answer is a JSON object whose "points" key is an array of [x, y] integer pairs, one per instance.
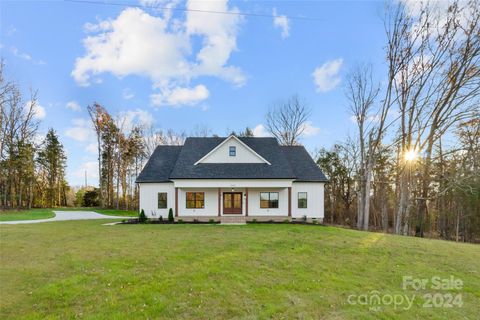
{"points": [[232, 150]]}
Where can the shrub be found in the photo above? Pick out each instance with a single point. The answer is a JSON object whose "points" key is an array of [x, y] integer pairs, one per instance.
{"points": [[91, 198], [211, 221], [180, 221], [142, 218], [160, 219], [286, 221], [170, 215], [254, 221], [314, 221], [195, 220], [304, 218]]}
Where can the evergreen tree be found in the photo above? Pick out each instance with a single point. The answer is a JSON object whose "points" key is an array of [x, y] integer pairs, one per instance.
{"points": [[52, 159]]}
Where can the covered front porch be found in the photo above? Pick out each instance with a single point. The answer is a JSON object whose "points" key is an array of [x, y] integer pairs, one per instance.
{"points": [[257, 200]]}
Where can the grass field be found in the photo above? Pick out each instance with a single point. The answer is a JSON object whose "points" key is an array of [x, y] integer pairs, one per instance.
{"points": [[81, 269], [32, 214]]}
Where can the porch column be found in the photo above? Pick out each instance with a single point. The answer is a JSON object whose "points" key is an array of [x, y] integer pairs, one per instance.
{"points": [[176, 202], [246, 202], [219, 204], [289, 201]]}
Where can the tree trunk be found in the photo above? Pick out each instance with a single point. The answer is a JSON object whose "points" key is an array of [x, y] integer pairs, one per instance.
{"points": [[366, 199]]}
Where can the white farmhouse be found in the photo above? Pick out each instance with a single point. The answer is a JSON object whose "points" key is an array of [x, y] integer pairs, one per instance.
{"points": [[232, 179]]}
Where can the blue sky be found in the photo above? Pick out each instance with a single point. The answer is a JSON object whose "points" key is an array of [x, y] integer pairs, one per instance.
{"points": [[179, 69]]}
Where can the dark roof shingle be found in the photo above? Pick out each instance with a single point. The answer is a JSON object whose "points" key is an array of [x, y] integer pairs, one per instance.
{"points": [[303, 166], [160, 164], [195, 148], [178, 162]]}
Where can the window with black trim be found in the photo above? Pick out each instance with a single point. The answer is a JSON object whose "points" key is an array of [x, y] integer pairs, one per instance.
{"points": [[268, 200], [302, 200], [162, 200], [195, 200], [232, 150]]}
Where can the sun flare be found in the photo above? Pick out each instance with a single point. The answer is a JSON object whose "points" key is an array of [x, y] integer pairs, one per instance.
{"points": [[411, 155]]}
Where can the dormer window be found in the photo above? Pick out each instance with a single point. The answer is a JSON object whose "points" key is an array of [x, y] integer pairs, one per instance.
{"points": [[232, 151]]}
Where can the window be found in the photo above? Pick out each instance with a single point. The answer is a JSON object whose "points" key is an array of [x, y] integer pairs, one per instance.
{"points": [[268, 200], [232, 151], [195, 200], [162, 200], [302, 200]]}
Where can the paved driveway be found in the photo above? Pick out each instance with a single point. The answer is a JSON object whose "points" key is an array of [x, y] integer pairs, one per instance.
{"points": [[66, 216]]}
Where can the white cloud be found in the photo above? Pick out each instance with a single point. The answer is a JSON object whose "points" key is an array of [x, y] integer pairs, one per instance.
{"points": [[91, 167], [179, 96], [96, 27], [11, 31], [127, 119], [281, 22], [261, 131], [73, 105], [38, 138], [372, 118], [326, 76], [127, 94], [137, 43], [26, 56], [310, 130], [81, 131], [39, 112], [92, 148], [22, 55]]}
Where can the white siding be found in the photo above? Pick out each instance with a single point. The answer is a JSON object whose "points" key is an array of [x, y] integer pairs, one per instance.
{"points": [[314, 192], [236, 183], [254, 202], [243, 154], [315, 197], [211, 203], [149, 198]]}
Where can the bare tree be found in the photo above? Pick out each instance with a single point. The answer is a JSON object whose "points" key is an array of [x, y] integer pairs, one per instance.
{"points": [[156, 137], [436, 86], [18, 126], [201, 130], [361, 94], [287, 121]]}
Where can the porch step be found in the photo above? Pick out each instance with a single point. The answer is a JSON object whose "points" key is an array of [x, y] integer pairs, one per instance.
{"points": [[233, 220]]}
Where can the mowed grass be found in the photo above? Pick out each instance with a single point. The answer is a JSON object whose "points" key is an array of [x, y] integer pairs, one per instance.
{"points": [[81, 269], [34, 214], [31, 214]]}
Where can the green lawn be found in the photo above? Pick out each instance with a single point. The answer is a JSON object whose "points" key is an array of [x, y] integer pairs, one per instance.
{"points": [[81, 269], [121, 213], [32, 214]]}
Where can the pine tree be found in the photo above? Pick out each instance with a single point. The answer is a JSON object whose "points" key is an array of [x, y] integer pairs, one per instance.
{"points": [[52, 159]]}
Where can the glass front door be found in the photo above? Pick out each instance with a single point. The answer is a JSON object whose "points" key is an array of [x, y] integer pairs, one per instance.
{"points": [[232, 203]]}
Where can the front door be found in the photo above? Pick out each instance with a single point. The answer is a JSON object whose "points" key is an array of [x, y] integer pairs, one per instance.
{"points": [[232, 203]]}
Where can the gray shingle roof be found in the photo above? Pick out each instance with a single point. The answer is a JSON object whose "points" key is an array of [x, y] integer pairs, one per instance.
{"points": [[176, 162], [303, 166], [160, 164]]}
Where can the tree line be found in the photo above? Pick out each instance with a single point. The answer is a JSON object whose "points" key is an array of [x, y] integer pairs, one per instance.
{"points": [[32, 167], [412, 167]]}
